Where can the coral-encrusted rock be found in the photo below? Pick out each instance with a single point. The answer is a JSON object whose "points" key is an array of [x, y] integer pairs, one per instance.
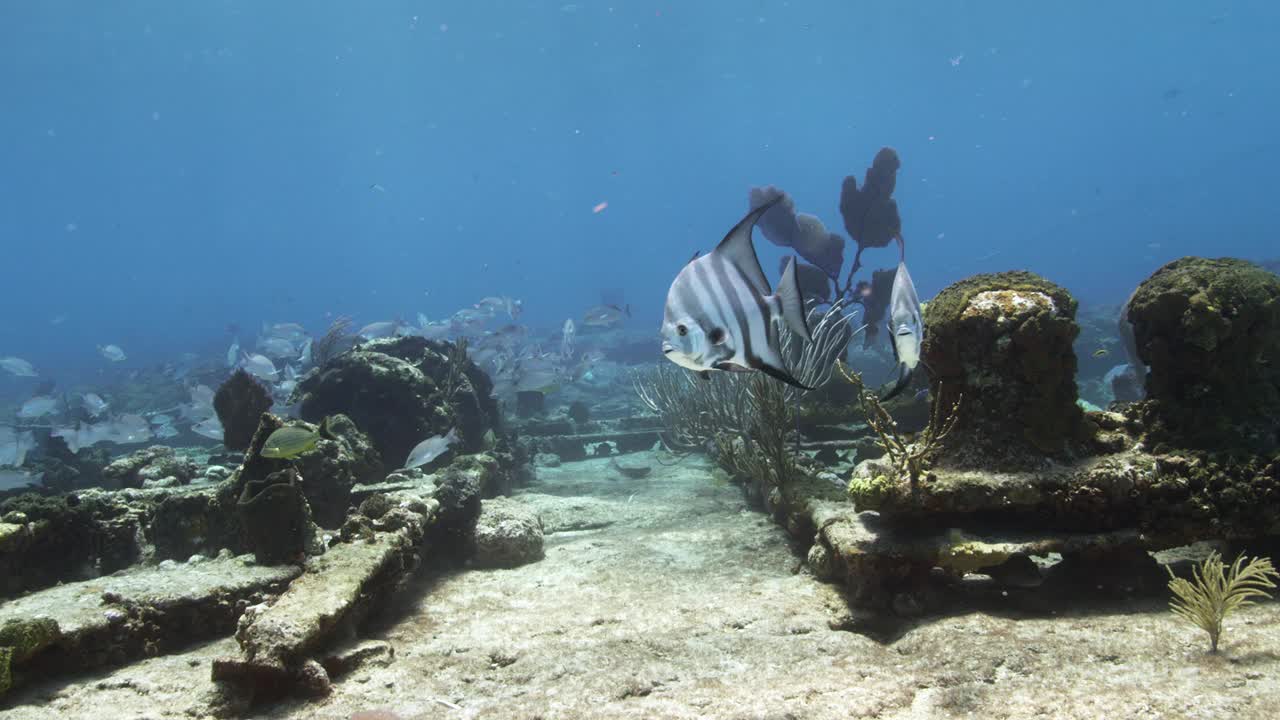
{"points": [[507, 534], [150, 467], [1209, 332], [1003, 342], [342, 457], [19, 640], [46, 540], [401, 391], [239, 402], [186, 524], [276, 518], [207, 521]]}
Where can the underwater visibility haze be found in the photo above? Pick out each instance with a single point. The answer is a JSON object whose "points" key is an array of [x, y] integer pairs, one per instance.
{"points": [[639, 359]]}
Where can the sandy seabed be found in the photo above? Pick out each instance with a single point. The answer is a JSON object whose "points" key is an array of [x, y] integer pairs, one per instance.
{"points": [[667, 597]]}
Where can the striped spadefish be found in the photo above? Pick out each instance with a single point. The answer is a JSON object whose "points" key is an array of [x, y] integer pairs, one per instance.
{"points": [[718, 294]]}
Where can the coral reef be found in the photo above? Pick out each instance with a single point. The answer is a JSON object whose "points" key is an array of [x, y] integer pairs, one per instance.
{"points": [[287, 646], [239, 402], [186, 524], [156, 466], [140, 612], [342, 458], [1003, 342], [276, 518], [1209, 333], [45, 540], [207, 520], [64, 471], [1187, 496], [401, 391]]}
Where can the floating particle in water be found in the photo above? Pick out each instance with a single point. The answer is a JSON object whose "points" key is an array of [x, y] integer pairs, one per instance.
{"points": [[599, 207], [72, 227], [955, 61]]}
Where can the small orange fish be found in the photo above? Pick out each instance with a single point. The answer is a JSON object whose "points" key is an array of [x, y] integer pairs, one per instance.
{"points": [[599, 207]]}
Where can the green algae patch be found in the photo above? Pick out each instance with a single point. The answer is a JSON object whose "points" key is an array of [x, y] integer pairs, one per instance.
{"points": [[871, 493], [967, 555], [19, 640]]}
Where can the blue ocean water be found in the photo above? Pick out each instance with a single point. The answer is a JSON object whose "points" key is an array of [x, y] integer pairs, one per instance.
{"points": [[171, 169]]}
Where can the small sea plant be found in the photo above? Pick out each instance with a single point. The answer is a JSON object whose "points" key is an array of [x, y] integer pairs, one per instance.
{"points": [[332, 343], [910, 455], [457, 358], [1215, 590]]}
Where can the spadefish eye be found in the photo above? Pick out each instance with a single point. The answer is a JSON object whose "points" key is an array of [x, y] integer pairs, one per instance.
{"points": [[717, 336], [682, 330]]}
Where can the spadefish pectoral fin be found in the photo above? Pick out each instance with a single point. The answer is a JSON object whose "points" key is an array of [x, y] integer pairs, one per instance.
{"points": [[792, 301], [904, 379]]}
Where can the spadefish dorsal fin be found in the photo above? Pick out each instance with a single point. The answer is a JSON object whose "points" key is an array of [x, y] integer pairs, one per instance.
{"points": [[792, 301], [737, 249]]}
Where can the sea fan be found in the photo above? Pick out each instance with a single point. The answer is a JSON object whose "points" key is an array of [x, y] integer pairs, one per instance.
{"points": [[1215, 591]]}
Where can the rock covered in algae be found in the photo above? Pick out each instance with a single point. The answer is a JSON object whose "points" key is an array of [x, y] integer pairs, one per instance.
{"points": [[1209, 333], [156, 466], [187, 523], [46, 540], [1002, 341], [507, 534], [342, 457], [276, 518], [19, 640], [401, 391]]}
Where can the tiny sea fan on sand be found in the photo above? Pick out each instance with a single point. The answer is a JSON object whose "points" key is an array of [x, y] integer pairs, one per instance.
{"points": [[1214, 591]]}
